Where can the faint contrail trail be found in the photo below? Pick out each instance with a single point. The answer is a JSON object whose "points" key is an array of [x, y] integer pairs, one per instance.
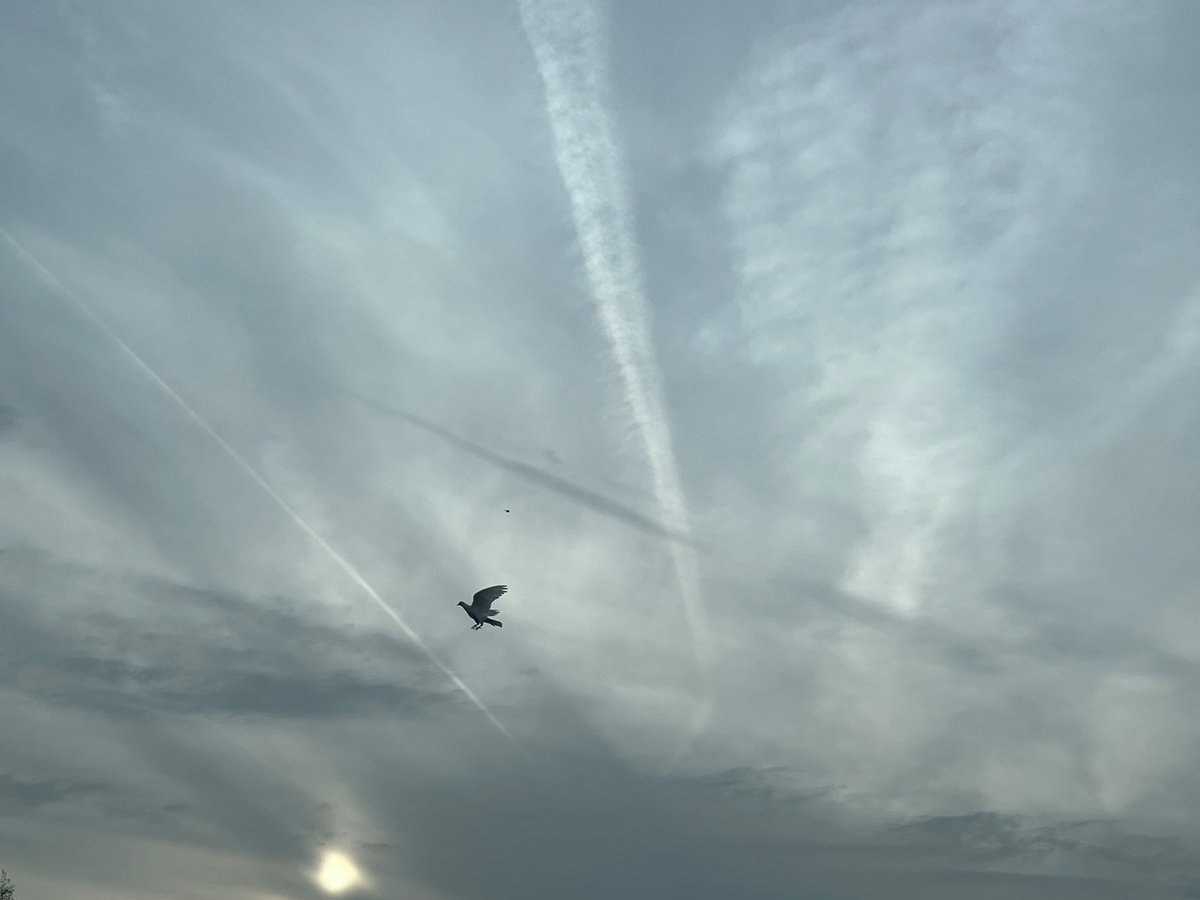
{"points": [[299, 520], [588, 498], [567, 43]]}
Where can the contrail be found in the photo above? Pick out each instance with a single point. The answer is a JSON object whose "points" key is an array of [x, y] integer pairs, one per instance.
{"points": [[588, 498], [291, 513], [566, 39]]}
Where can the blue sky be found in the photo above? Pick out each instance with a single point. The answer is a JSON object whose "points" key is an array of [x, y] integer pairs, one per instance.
{"points": [[818, 376]]}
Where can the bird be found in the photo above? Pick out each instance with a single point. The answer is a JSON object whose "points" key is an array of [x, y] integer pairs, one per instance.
{"points": [[480, 608]]}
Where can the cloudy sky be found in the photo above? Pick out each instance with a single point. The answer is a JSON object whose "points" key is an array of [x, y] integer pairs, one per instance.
{"points": [[819, 376]]}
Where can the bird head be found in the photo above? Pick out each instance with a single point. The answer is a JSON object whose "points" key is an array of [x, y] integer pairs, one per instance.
{"points": [[462, 603]]}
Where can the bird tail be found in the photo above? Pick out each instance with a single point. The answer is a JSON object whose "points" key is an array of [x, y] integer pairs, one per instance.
{"points": [[495, 622]]}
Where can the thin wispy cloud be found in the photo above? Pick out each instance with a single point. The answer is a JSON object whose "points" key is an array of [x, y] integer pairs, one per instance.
{"points": [[879, 214], [1037, 459]]}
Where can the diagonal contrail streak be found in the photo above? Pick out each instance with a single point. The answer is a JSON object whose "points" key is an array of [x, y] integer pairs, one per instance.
{"points": [[343, 563], [588, 498], [566, 42]]}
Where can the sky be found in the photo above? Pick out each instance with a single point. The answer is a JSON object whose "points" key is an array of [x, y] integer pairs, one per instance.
{"points": [[818, 376]]}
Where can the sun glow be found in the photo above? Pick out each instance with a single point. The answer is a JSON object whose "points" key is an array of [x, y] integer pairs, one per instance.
{"points": [[337, 873]]}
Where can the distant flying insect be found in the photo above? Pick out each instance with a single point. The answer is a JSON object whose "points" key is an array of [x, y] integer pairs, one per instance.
{"points": [[481, 606]]}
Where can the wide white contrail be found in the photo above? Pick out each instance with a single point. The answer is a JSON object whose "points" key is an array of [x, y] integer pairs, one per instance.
{"points": [[566, 38], [345, 565]]}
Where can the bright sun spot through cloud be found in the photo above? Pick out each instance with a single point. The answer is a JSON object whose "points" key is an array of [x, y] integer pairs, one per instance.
{"points": [[338, 873]]}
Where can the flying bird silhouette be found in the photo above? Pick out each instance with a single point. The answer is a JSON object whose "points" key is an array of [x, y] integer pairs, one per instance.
{"points": [[481, 606]]}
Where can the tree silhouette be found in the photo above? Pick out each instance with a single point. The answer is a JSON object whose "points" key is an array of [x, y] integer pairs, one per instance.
{"points": [[6, 886]]}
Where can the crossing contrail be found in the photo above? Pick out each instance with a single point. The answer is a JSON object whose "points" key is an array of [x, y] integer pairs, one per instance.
{"points": [[344, 564], [566, 38]]}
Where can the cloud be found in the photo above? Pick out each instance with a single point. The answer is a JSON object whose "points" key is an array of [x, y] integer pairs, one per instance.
{"points": [[20, 796], [171, 649], [910, 292], [1080, 849], [743, 831], [10, 420], [889, 173]]}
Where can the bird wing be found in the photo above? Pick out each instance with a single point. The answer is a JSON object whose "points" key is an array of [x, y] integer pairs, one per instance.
{"points": [[483, 599]]}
